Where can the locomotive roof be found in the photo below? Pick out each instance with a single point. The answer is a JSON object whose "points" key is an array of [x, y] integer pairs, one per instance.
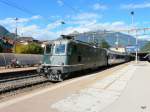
{"points": [[71, 38], [115, 52], [66, 40]]}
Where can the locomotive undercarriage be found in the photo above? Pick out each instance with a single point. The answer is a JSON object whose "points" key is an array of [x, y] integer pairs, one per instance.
{"points": [[53, 73]]}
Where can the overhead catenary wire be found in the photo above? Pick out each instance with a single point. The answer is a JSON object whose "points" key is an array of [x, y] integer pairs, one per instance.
{"points": [[20, 8], [69, 6], [14, 5]]}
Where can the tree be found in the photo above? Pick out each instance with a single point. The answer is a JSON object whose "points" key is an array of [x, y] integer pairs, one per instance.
{"points": [[32, 48], [104, 44], [146, 47]]}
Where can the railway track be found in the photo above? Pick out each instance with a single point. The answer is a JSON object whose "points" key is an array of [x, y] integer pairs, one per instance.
{"points": [[17, 81], [20, 82]]}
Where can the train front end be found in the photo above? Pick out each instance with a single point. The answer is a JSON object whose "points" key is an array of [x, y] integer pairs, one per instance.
{"points": [[54, 60]]}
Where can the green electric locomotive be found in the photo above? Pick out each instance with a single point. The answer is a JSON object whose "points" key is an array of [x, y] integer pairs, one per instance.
{"points": [[66, 55]]}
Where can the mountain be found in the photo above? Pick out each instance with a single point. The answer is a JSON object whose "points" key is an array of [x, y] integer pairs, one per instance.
{"points": [[5, 33], [110, 37], [146, 47]]}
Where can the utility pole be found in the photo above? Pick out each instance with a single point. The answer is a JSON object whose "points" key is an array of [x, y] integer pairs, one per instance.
{"points": [[117, 40], [16, 33], [136, 55], [93, 38], [136, 48], [128, 39]]}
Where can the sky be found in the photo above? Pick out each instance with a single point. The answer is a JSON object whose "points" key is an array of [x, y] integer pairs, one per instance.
{"points": [[42, 19]]}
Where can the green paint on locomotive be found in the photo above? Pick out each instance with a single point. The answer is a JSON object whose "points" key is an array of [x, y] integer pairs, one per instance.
{"points": [[77, 54], [64, 56], [46, 59], [55, 53]]}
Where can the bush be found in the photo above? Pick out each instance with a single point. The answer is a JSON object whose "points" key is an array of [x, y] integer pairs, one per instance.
{"points": [[31, 48]]}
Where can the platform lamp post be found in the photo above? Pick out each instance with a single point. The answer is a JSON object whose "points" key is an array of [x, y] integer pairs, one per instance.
{"points": [[93, 35], [136, 54], [95, 41], [16, 33], [62, 24]]}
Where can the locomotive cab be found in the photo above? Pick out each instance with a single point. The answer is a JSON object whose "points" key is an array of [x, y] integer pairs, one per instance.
{"points": [[55, 54], [54, 60]]}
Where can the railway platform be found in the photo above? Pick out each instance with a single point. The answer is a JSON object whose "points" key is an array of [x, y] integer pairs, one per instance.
{"points": [[4, 70], [124, 88]]}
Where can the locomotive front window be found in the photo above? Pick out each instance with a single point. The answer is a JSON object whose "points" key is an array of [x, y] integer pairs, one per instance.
{"points": [[60, 49]]}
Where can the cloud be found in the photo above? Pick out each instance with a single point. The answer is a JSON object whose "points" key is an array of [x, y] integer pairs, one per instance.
{"points": [[54, 25], [79, 22], [99, 6], [7, 21], [87, 16], [82, 22], [27, 28], [47, 33], [60, 2], [10, 23], [144, 37], [36, 17], [114, 26], [135, 6], [83, 19], [36, 32]]}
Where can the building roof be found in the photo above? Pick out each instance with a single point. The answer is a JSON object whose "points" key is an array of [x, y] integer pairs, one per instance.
{"points": [[28, 39]]}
